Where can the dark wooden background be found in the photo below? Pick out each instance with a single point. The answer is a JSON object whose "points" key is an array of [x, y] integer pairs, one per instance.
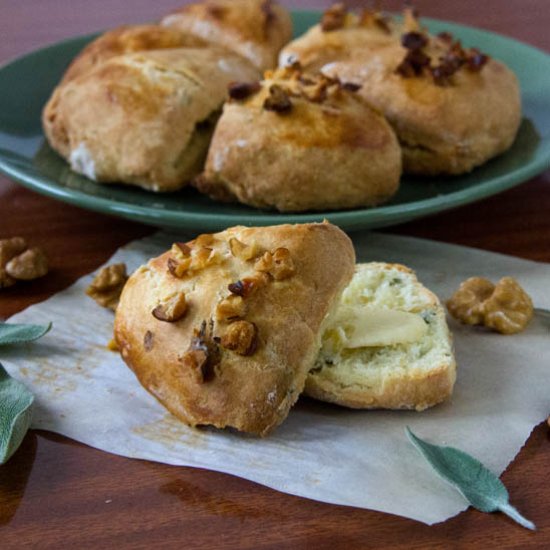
{"points": [[60, 494]]}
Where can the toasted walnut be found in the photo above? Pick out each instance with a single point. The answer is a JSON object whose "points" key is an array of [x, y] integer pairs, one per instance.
{"points": [[278, 264], [9, 248], [241, 337], [206, 239], [242, 90], [370, 18], [171, 309], [506, 307], [107, 285], [509, 309], [244, 251], [231, 308], [203, 354], [247, 286], [334, 18], [466, 304], [180, 260], [278, 100], [27, 266]]}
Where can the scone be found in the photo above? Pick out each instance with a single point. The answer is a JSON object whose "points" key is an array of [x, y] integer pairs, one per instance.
{"points": [[254, 29], [297, 142], [223, 330], [145, 118], [128, 39], [386, 346], [452, 108]]}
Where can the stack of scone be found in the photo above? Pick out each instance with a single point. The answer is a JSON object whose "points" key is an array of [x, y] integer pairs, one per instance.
{"points": [[358, 99], [229, 329]]}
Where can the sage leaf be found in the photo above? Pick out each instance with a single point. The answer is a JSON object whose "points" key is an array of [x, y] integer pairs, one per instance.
{"points": [[481, 488], [17, 334], [15, 414]]}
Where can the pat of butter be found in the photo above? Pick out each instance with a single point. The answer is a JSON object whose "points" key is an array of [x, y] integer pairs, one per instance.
{"points": [[368, 327]]}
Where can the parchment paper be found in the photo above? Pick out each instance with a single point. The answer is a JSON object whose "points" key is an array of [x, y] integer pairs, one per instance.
{"points": [[322, 452]]}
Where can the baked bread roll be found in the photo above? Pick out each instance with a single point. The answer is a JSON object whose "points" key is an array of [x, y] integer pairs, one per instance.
{"points": [[128, 39], [145, 118], [387, 345], [452, 108], [223, 330], [254, 29], [299, 142]]}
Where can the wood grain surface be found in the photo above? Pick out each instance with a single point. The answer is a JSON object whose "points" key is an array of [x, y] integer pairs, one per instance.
{"points": [[55, 493]]}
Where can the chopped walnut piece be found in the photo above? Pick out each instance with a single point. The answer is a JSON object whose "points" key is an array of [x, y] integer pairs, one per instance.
{"points": [[506, 307], [413, 65], [203, 353], [206, 239], [241, 337], [278, 100], [370, 18], [334, 18], [247, 286], [180, 260], [171, 309], [509, 309], [244, 251], [476, 60], [107, 285], [278, 264], [231, 308], [242, 90], [414, 40]]}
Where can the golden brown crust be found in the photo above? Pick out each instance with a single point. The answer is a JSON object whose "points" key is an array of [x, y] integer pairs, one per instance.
{"points": [[128, 39], [445, 125], [252, 387], [302, 143], [254, 29], [142, 118]]}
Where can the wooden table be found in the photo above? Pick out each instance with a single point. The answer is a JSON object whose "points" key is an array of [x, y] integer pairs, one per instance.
{"points": [[58, 493]]}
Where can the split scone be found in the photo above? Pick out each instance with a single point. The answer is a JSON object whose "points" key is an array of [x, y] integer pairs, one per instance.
{"points": [[223, 330], [254, 29], [128, 39], [143, 118], [386, 346], [452, 108], [299, 142]]}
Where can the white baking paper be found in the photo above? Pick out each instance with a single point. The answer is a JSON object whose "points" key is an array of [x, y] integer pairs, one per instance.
{"points": [[322, 452]]}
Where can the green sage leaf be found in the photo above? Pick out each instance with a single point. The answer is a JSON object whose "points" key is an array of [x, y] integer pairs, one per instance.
{"points": [[481, 488], [15, 414], [17, 334]]}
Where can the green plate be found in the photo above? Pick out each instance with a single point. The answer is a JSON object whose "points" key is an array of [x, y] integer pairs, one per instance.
{"points": [[26, 83]]}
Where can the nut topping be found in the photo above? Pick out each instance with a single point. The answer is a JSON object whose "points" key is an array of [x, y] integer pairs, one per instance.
{"points": [[148, 341], [180, 260], [203, 353], [243, 251], [172, 309], [242, 90], [241, 337], [278, 100], [334, 18], [247, 286], [278, 264], [414, 40], [506, 307], [231, 308], [107, 285]]}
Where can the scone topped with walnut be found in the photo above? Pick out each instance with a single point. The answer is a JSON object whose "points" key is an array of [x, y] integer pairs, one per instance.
{"points": [[223, 330], [299, 141], [254, 29], [452, 108]]}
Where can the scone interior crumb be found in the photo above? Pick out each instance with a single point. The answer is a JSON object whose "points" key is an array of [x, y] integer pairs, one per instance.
{"points": [[375, 371]]}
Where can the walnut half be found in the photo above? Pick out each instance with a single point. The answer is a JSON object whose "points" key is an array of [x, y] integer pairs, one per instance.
{"points": [[107, 285], [504, 307], [278, 264], [241, 337], [20, 263]]}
